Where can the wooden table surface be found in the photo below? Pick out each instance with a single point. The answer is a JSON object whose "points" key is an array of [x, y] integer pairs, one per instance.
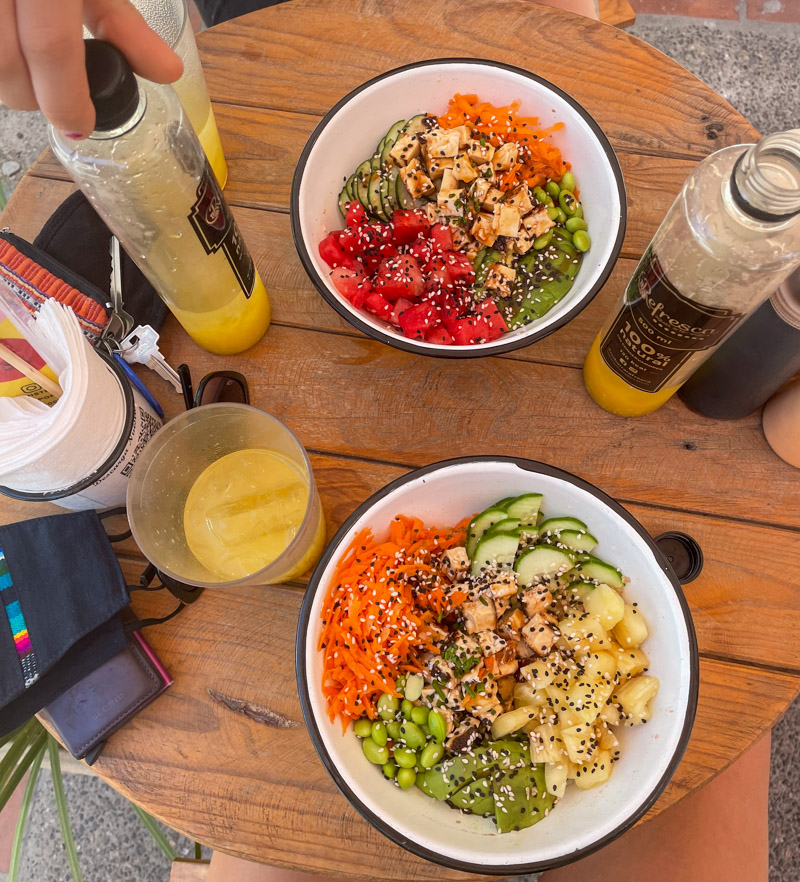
{"points": [[367, 413]]}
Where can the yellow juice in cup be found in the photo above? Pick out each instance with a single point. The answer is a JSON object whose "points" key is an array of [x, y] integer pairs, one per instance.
{"points": [[244, 510]]}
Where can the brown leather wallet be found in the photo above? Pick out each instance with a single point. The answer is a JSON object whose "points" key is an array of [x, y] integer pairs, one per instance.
{"points": [[94, 708]]}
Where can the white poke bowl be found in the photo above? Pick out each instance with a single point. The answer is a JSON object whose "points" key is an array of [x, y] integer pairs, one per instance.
{"points": [[583, 821], [353, 127]]}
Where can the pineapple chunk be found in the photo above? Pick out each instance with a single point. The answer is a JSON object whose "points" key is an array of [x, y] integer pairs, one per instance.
{"points": [[555, 778], [538, 674], [631, 662], [610, 714], [417, 182], [601, 665], [582, 633], [505, 157], [579, 743], [480, 152], [405, 149], [634, 697], [546, 744], [509, 722], [595, 772], [482, 230], [631, 631], [605, 603], [607, 740]]}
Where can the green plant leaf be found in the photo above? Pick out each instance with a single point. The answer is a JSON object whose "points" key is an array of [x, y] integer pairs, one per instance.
{"points": [[198, 851], [18, 773], [23, 738], [22, 821], [61, 807], [155, 831], [2, 197]]}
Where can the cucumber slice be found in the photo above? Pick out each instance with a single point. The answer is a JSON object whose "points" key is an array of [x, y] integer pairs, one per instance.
{"points": [[525, 507], [350, 187], [374, 188], [507, 525], [404, 199], [508, 499], [361, 182], [599, 571], [541, 562], [414, 125], [390, 140], [556, 525], [578, 540], [391, 195], [480, 524], [494, 552], [386, 185], [380, 146], [344, 198]]}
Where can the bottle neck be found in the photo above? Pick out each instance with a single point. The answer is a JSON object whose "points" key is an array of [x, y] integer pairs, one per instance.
{"points": [[128, 125], [765, 183]]}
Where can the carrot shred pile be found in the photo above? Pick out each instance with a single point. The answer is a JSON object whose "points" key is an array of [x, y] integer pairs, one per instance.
{"points": [[539, 159], [375, 619]]}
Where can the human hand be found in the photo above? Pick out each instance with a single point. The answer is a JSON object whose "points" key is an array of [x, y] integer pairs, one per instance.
{"points": [[42, 60]]}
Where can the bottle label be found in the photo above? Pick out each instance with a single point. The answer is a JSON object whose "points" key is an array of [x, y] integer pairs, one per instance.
{"points": [[658, 329], [216, 229]]}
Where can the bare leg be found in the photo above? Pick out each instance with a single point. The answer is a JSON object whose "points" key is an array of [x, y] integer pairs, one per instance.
{"points": [[718, 834]]}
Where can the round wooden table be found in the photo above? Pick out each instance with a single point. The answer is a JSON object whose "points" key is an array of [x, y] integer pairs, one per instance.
{"points": [[367, 413]]}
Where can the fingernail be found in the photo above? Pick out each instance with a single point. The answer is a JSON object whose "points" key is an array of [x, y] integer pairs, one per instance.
{"points": [[76, 136]]}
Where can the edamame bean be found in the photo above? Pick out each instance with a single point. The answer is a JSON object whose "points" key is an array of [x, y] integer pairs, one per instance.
{"points": [[426, 731], [581, 240], [363, 728], [393, 728], [412, 735], [438, 726], [578, 211], [568, 203], [576, 223], [406, 778], [568, 182], [405, 757], [389, 770], [561, 217], [431, 754], [540, 195], [553, 212], [541, 242], [406, 708], [553, 189], [401, 683], [387, 706], [379, 734], [420, 715], [375, 753]]}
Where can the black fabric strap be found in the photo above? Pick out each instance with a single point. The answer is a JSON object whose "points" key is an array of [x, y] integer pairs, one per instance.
{"points": [[113, 512]]}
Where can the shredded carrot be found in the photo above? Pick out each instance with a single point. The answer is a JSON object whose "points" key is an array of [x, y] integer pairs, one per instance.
{"points": [[377, 615], [539, 160]]}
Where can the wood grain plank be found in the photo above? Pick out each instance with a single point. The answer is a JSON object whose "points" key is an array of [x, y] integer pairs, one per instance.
{"points": [[616, 12], [262, 148], [305, 55], [188, 871], [257, 781]]}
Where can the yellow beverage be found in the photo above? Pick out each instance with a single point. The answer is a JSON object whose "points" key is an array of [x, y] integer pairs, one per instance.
{"points": [[243, 512], [613, 393], [209, 138]]}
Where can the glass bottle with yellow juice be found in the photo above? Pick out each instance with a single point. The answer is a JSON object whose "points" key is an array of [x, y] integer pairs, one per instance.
{"points": [[146, 174], [729, 239]]}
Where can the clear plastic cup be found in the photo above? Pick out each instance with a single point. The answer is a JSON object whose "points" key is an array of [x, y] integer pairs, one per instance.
{"points": [[170, 20], [168, 470]]}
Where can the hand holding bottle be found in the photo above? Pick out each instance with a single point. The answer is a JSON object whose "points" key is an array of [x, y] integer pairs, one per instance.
{"points": [[42, 62]]}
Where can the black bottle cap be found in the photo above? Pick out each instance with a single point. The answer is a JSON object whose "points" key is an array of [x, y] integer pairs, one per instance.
{"points": [[683, 553], [112, 85]]}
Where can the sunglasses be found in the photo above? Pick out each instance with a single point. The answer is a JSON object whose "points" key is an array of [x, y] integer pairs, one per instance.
{"points": [[229, 387]]}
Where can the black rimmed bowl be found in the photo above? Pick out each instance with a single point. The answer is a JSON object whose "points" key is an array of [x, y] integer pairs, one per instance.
{"points": [[442, 494], [350, 131]]}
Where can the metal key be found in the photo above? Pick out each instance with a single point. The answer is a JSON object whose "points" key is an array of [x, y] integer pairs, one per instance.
{"points": [[141, 347], [121, 321]]}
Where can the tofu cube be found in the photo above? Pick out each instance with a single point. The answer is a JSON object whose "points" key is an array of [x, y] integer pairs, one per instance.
{"points": [[501, 604], [537, 600], [463, 168], [511, 624], [505, 662], [483, 230], [434, 213], [442, 143], [505, 157], [523, 243], [520, 198], [455, 561], [480, 153], [486, 171], [537, 222], [499, 279], [479, 190], [504, 583], [437, 167], [451, 202], [449, 180], [539, 635], [417, 182], [461, 240], [490, 642], [506, 220], [405, 149], [472, 249], [493, 197], [479, 615], [464, 135]]}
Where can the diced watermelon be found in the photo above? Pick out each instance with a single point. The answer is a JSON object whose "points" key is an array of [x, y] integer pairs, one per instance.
{"points": [[409, 225], [465, 331], [378, 305], [460, 266], [441, 238], [399, 277], [356, 214], [374, 257], [417, 320], [491, 314], [438, 281], [441, 336], [365, 237], [400, 305], [331, 251], [351, 284], [421, 252]]}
